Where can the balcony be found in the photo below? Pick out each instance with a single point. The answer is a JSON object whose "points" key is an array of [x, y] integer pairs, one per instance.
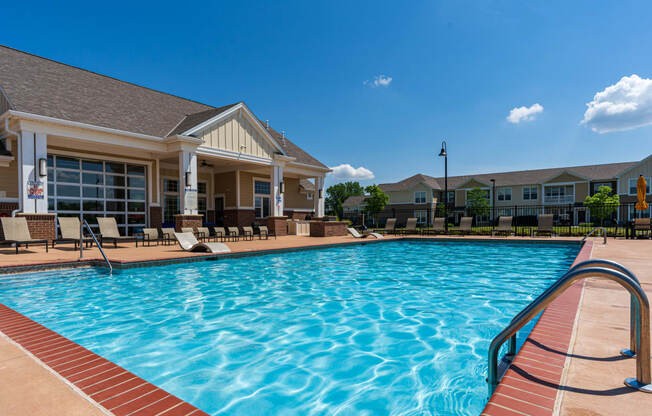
{"points": [[558, 199]]}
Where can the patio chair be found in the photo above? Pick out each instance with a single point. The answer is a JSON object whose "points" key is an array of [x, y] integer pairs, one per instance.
{"points": [[204, 233], [69, 229], [16, 231], [642, 225], [466, 224], [390, 226], [167, 235], [504, 226], [410, 227], [148, 235], [544, 225], [109, 231], [247, 233], [220, 233], [189, 242], [439, 226], [234, 233], [262, 230], [356, 234]]}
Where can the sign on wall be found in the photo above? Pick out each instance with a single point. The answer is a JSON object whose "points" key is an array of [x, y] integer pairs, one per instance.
{"points": [[35, 189], [190, 199]]}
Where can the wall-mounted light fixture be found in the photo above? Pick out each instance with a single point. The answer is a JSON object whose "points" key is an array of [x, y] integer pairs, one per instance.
{"points": [[188, 179], [281, 187], [42, 167], [321, 193]]}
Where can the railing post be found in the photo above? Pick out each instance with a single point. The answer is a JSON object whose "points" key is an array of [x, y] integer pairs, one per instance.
{"points": [[570, 220], [81, 240]]}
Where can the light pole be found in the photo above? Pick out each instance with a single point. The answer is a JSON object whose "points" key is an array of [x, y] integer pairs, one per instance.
{"points": [[445, 155], [493, 200]]}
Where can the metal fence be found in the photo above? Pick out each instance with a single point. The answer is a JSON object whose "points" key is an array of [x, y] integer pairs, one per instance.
{"points": [[568, 220]]}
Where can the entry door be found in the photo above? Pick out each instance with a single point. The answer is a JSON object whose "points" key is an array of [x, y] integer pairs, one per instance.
{"points": [[219, 210]]}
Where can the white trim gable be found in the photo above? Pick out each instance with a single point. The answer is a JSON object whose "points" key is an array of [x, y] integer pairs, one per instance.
{"points": [[230, 112], [472, 179], [564, 172]]}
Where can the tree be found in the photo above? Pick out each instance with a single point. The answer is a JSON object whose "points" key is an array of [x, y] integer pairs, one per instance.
{"points": [[375, 201], [338, 193], [603, 204], [478, 203]]}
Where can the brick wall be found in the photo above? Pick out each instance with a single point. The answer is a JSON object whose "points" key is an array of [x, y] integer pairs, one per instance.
{"points": [[327, 228], [41, 226], [239, 217], [187, 220], [278, 225], [155, 217]]}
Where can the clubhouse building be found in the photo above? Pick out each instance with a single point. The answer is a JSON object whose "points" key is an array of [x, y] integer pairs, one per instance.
{"points": [[78, 143]]}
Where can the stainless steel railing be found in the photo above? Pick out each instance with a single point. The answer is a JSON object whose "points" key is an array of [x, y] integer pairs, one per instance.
{"points": [[99, 246], [641, 327], [604, 233]]}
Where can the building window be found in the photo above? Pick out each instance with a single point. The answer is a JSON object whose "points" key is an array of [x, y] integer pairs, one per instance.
{"points": [[564, 194], [632, 185], [530, 193], [309, 196], [420, 197], [170, 199], [504, 212], [504, 194], [421, 215], [262, 190], [89, 189], [634, 213], [202, 199]]}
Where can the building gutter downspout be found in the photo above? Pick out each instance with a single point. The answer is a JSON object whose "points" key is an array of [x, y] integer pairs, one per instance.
{"points": [[15, 133]]}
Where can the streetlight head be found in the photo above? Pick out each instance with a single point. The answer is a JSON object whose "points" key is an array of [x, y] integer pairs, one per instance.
{"points": [[443, 149]]}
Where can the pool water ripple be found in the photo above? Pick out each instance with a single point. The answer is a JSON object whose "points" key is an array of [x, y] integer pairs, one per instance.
{"points": [[399, 328]]}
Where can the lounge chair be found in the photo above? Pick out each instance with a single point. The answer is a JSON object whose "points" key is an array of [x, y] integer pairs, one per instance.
{"points": [[438, 227], [504, 226], [234, 233], [148, 235], [189, 242], [247, 233], [220, 233], [642, 225], [390, 226], [263, 231], [16, 231], [197, 233], [167, 235], [410, 227], [356, 234], [204, 233], [69, 228], [544, 225], [466, 224], [109, 231]]}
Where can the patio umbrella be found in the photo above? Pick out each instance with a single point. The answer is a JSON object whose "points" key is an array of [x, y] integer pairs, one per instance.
{"points": [[641, 188]]}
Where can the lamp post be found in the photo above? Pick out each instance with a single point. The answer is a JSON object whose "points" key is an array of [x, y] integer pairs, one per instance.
{"points": [[493, 200], [445, 155]]}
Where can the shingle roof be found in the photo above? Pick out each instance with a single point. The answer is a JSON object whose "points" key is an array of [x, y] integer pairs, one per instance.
{"points": [[353, 201], [49, 88], [307, 185], [523, 177]]}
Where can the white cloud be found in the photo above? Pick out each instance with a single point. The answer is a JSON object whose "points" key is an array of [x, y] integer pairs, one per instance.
{"points": [[625, 105], [346, 171], [378, 81], [518, 114]]}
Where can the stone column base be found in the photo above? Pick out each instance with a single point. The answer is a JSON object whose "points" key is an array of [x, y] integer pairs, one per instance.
{"points": [[41, 226], [278, 225], [327, 228], [187, 221]]}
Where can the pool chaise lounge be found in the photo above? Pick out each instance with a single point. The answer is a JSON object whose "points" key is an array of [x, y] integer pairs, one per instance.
{"points": [[356, 234], [544, 225], [69, 227], [504, 226], [16, 232], [437, 227], [189, 242], [390, 226], [410, 227], [109, 231]]}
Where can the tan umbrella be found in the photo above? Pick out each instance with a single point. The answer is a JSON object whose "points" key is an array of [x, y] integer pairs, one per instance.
{"points": [[641, 188]]}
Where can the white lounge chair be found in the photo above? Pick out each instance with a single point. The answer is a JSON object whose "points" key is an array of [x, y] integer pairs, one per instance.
{"points": [[356, 234], [189, 242]]}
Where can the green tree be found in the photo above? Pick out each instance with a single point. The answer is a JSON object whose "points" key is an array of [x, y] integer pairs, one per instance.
{"points": [[338, 193], [376, 201], [478, 203], [603, 204]]}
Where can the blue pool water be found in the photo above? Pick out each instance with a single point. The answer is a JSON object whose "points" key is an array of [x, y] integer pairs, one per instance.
{"points": [[398, 328]]}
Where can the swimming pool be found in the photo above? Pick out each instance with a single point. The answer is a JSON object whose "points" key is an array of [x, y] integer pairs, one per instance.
{"points": [[397, 328]]}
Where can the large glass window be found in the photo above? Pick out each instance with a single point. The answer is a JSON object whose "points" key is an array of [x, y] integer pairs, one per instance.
{"points": [[559, 194], [93, 188], [170, 199], [202, 199], [262, 190]]}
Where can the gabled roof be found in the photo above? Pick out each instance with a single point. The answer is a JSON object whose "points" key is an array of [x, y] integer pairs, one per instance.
{"points": [[307, 185], [49, 88], [353, 201], [605, 171]]}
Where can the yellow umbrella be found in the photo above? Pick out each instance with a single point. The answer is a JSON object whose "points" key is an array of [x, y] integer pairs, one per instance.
{"points": [[641, 188]]}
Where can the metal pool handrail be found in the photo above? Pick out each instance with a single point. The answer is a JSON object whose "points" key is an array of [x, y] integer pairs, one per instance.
{"points": [[604, 233], [643, 380], [81, 243]]}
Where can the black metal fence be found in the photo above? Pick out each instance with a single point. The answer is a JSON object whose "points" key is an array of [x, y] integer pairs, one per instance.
{"points": [[568, 220]]}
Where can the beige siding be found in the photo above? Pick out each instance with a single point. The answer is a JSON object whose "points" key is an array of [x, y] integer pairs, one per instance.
{"points": [[225, 184], [460, 197], [293, 198], [247, 188], [407, 197], [581, 191], [517, 196], [565, 177], [644, 168], [237, 131], [9, 179]]}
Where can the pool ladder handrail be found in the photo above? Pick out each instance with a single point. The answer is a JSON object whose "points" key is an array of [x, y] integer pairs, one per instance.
{"points": [[604, 234], [640, 324], [99, 246]]}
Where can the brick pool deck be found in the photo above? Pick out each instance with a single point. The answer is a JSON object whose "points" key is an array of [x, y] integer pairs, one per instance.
{"points": [[569, 365]]}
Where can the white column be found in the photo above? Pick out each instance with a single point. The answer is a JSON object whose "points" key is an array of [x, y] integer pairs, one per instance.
{"points": [[319, 202], [277, 196], [32, 187], [188, 191]]}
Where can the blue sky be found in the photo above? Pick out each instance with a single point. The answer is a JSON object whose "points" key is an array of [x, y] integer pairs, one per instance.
{"points": [[321, 72]]}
